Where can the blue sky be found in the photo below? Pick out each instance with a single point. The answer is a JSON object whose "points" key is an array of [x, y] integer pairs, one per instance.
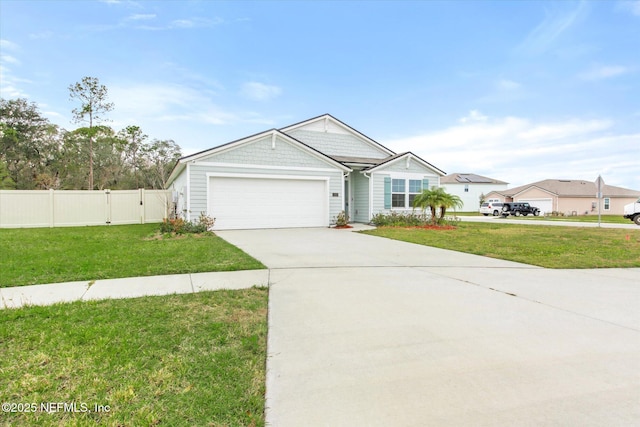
{"points": [[518, 91]]}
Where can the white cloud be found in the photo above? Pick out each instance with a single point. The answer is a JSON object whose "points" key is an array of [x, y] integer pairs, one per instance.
{"points": [[140, 17], [166, 102], [260, 91], [10, 85], [604, 72], [632, 7], [520, 150], [506, 84], [127, 3], [474, 116], [9, 59], [43, 35], [8, 45], [138, 21], [194, 23], [562, 130], [555, 23]]}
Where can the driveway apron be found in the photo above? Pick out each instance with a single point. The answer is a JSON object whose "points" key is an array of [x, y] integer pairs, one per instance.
{"points": [[366, 331]]}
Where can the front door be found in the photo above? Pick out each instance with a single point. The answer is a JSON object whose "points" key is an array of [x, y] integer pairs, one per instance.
{"points": [[347, 194]]}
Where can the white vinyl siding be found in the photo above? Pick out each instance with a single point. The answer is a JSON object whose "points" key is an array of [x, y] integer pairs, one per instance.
{"points": [[360, 190], [338, 144]]}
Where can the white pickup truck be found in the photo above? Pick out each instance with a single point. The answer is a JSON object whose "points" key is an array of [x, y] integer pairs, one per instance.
{"points": [[632, 211]]}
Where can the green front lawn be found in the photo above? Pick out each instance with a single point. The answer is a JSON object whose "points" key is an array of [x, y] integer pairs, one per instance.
{"points": [[195, 359], [613, 219], [48, 255], [610, 219], [552, 247]]}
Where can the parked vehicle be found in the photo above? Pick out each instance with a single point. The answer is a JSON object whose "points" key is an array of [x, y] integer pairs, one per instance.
{"points": [[517, 209], [632, 211], [492, 208]]}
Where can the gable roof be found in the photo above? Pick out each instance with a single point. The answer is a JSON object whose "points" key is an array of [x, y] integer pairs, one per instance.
{"points": [[469, 178], [571, 188], [323, 121], [400, 156], [180, 164], [326, 119]]}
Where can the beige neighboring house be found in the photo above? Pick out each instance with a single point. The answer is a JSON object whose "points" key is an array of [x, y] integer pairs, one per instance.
{"points": [[470, 187], [569, 197]]}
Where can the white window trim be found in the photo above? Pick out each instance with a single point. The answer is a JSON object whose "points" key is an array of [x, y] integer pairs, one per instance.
{"points": [[605, 204], [406, 177]]}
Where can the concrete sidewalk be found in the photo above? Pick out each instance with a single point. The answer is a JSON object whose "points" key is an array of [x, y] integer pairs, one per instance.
{"points": [[130, 287]]}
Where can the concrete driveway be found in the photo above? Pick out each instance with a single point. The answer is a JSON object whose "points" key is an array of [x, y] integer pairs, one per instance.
{"points": [[365, 331]]}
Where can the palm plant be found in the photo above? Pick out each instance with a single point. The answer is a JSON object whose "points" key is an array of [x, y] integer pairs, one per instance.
{"points": [[434, 199], [449, 201], [429, 199]]}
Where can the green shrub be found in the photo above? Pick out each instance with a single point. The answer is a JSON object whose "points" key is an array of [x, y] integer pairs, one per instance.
{"points": [[173, 225], [400, 219], [409, 219], [342, 220], [203, 224]]}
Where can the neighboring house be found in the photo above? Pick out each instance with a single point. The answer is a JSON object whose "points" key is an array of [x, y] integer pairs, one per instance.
{"points": [[569, 197], [470, 188], [302, 175]]}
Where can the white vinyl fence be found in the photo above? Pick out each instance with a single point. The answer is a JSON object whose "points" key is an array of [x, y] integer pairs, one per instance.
{"points": [[69, 208]]}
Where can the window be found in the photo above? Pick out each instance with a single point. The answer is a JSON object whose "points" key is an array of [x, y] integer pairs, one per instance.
{"points": [[404, 191], [607, 203], [466, 188], [397, 193], [415, 188]]}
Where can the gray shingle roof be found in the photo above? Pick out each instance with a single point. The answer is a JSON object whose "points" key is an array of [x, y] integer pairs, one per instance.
{"points": [[468, 178], [573, 188]]}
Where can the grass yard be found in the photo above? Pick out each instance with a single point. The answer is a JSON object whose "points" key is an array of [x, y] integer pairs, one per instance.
{"points": [[551, 247], [610, 219], [194, 359], [49, 255]]}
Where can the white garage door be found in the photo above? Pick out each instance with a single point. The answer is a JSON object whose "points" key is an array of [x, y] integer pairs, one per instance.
{"points": [[240, 203], [545, 205]]}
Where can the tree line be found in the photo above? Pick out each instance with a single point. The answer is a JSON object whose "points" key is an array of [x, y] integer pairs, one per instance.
{"points": [[38, 155]]}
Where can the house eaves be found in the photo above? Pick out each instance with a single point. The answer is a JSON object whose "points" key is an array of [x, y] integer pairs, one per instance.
{"points": [[181, 164], [403, 156], [182, 161]]}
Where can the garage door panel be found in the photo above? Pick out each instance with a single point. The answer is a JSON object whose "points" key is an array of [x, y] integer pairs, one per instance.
{"points": [[268, 203]]}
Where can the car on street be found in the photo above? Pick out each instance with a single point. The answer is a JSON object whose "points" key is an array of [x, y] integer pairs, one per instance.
{"points": [[517, 209], [491, 208]]}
